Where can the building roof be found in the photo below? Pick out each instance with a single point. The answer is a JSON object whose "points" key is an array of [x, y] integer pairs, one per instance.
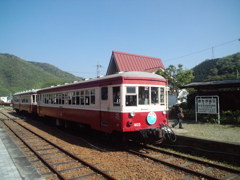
{"points": [[121, 61], [214, 84]]}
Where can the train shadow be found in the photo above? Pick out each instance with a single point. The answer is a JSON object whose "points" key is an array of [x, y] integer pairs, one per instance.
{"points": [[74, 134]]}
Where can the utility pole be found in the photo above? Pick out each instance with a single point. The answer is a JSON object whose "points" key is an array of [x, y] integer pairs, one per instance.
{"points": [[212, 52], [98, 69]]}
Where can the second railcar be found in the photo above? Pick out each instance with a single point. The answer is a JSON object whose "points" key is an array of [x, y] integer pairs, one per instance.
{"points": [[25, 101]]}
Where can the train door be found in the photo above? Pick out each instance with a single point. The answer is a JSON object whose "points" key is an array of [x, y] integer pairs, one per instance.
{"points": [[104, 108]]}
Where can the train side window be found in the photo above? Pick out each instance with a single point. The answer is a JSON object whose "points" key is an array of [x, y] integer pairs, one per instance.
{"points": [[143, 95], [54, 99], [59, 98], [154, 95], [162, 96], [116, 96], [131, 96], [45, 98], [63, 98], [131, 89], [82, 97], [74, 98], [93, 96], [77, 98], [70, 98], [104, 93], [34, 98], [37, 98], [87, 97]]}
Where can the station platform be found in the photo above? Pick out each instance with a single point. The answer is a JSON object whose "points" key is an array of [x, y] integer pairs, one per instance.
{"points": [[13, 163]]}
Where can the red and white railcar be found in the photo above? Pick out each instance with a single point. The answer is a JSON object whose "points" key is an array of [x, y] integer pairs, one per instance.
{"points": [[25, 101], [126, 102]]}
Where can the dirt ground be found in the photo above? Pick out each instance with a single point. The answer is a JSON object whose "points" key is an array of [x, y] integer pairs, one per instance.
{"points": [[218, 132]]}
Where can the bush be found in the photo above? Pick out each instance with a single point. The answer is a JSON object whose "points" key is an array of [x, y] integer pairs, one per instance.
{"points": [[230, 117], [226, 117], [189, 114]]}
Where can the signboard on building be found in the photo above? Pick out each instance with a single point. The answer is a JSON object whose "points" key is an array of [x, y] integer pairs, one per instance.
{"points": [[207, 105]]}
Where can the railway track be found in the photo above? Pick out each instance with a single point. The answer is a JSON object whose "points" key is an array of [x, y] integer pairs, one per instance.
{"points": [[61, 162], [190, 165], [164, 162]]}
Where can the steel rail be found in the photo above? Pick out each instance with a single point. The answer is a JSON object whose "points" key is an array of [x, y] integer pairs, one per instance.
{"points": [[94, 168], [193, 159], [36, 153], [172, 165]]}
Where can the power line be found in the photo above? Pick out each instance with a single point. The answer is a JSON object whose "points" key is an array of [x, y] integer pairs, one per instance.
{"points": [[206, 49], [77, 72]]}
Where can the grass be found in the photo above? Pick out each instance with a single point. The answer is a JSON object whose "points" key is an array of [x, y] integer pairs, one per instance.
{"points": [[218, 132]]}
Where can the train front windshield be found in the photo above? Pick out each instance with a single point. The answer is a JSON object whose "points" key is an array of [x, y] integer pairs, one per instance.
{"points": [[145, 95]]}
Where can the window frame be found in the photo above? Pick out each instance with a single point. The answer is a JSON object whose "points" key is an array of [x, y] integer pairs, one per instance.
{"points": [[116, 96], [104, 93], [129, 97]]}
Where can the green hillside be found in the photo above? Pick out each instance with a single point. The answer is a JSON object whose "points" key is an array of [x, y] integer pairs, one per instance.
{"points": [[17, 75], [218, 69], [55, 71]]}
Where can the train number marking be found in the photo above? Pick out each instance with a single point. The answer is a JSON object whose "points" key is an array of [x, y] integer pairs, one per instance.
{"points": [[137, 124]]}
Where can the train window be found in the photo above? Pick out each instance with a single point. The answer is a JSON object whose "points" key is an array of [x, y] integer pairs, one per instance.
{"points": [[87, 97], [34, 98], [69, 98], [54, 99], [66, 98], [50, 99], [93, 96], [82, 97], [131, 89], [45, 98], [77, 98], [131, 96], [143, 95], [116, 96], [154, 95], [74, 98], [104, 93], [162, 96], [131, 100], [59, 98], [63, 98]]}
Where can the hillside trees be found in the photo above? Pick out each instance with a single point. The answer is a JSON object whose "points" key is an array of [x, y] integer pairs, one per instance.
{"points": [[218, 69], [17, 74], [176, 76]]}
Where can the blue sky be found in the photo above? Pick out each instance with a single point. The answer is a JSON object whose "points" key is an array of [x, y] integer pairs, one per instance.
{"points": [[76, 35]]}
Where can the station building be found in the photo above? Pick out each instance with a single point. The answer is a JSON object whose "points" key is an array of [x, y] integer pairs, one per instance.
{"points": [[122, 62], [228, 92]]}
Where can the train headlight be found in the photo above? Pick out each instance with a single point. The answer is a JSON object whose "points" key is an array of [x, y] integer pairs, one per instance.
{"points": [[132, 114], [129, 123]]}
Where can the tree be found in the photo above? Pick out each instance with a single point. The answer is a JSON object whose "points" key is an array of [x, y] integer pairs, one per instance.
{"points": [[176, 76]]}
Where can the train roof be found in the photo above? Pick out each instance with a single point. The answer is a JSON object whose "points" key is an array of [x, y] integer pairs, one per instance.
{"points": [[133, 74], [32, 91]]}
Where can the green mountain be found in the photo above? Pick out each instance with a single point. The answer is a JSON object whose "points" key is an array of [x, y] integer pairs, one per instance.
{"points": [[218, 69], [17, 75]]}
